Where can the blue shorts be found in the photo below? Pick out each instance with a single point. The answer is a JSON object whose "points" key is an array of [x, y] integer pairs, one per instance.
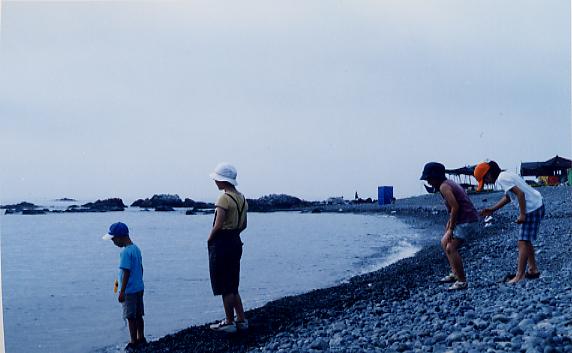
{"points": [[529, 229], [466, 231]]}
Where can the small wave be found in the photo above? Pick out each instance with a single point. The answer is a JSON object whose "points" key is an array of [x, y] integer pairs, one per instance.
{"points": [[403, 250]]}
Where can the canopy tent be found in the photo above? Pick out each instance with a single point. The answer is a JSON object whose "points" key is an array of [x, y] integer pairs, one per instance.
{"points": [[462, 176], [553, 166], [468, 170]]}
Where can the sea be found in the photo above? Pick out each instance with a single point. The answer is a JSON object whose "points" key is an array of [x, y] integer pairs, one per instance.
{"points": [[58, 273]]}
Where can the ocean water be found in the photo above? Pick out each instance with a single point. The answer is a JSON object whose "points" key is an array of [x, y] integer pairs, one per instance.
{"points": [[58, 274]]}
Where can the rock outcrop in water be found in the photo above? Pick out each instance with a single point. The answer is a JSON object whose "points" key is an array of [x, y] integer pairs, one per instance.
{"points": [[161, 202], [276, 202], [107, 205], [19, 207]]}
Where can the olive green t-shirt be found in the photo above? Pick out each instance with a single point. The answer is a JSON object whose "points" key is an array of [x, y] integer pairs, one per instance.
{"points": [[231, 220]]}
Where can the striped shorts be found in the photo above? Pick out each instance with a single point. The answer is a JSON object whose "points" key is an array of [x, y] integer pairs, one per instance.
{"points": [[529, 229]]}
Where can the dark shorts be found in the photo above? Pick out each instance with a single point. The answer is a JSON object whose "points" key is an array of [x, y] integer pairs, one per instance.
{"points": [[133, 306], [225, 252], [529, 229]]}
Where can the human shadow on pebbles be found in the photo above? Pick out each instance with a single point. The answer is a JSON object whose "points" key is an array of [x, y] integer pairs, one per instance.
{"points": [[403, 308]]}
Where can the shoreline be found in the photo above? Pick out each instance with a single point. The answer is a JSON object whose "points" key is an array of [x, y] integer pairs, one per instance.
{"points": [[355, 316]]}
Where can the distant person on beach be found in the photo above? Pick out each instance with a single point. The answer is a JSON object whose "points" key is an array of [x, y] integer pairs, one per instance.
{"points": [[463, 223], [225, 248], [130, 282], [531, 211]]}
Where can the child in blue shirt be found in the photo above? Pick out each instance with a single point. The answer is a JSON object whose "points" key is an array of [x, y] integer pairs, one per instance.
{"points": [[130, 282]]}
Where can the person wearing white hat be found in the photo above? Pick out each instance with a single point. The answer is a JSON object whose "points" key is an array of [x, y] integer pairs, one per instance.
{"points": [[225, 247]]}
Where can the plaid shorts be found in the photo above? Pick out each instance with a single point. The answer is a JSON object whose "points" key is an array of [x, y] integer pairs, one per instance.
{"points": [[529, 229]]}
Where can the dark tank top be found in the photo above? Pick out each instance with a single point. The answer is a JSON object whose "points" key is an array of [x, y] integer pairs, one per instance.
{"points": [[467, 212]]}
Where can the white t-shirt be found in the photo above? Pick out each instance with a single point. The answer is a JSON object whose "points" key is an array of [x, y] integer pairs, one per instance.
{"points": [[508, 180]]}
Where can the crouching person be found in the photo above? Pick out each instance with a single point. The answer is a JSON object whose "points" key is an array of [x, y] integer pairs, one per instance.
{"points": [[463, 223]]}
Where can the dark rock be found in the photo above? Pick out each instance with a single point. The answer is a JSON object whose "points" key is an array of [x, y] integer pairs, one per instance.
{"points": [[164, 209], [275, 202], [20, 206], [35, 212], [107, 205], [113, 204], [189, 203], [163, 200]]}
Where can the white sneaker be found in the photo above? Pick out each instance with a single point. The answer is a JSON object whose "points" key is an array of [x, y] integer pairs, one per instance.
{"points": [[242, 325], [450, 278], [224, 326], [458, 285]]}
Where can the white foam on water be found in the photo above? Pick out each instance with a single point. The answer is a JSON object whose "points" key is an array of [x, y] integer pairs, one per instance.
{"points": [[402, 250]]}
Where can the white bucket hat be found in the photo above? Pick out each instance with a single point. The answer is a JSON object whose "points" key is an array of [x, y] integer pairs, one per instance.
{"points": [[224, 172]]}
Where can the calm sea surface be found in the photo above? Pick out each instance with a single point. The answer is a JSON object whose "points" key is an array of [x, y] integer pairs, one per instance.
{"points": [[57, 273]]}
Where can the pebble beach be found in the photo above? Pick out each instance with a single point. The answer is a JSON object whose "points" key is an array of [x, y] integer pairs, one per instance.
{"points": [[403, 307]]}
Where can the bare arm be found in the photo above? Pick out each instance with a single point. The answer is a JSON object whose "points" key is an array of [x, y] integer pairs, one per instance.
{"points": [[126, 274], [502, 202], [220, 216], [521, 204]]}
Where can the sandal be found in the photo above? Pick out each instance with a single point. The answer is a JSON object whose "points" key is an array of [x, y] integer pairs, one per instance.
{"points": [[459, 285], [224, 326], [507, 277], [529, 275], [450, 278]]}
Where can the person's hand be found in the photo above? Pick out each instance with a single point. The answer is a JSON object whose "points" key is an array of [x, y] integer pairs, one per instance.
{"points": [[521, 219], [486, 212], [121, 297]]}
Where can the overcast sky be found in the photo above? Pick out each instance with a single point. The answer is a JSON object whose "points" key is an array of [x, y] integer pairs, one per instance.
{"points": [[310, 98]]}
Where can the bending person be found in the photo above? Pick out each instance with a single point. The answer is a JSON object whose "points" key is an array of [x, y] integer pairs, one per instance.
{"points": [[531, 211], [463, 223]]}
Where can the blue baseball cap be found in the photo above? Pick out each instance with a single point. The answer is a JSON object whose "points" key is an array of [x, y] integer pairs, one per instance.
{"points": [[118, 229]]}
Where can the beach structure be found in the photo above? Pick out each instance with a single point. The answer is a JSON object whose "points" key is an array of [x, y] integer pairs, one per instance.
{"points": [[551, 172], [384, 195], [335, 200], [462, 176]]}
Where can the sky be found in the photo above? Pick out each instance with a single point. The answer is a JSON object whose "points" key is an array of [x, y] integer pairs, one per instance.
{"points": [[312, 98]]}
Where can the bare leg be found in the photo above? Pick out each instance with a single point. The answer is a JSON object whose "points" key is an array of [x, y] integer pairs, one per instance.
{"points": [[228, 301], [444, 244], [531, 259], [133, 330], [455, 259], [523, 255], [238, 308], [140, 329]]}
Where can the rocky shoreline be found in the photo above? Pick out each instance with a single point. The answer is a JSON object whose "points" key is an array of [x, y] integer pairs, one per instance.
{"points": [[402, 308]]}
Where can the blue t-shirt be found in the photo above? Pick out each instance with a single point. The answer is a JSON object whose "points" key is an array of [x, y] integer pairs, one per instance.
{"points": [[130, 259]]}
